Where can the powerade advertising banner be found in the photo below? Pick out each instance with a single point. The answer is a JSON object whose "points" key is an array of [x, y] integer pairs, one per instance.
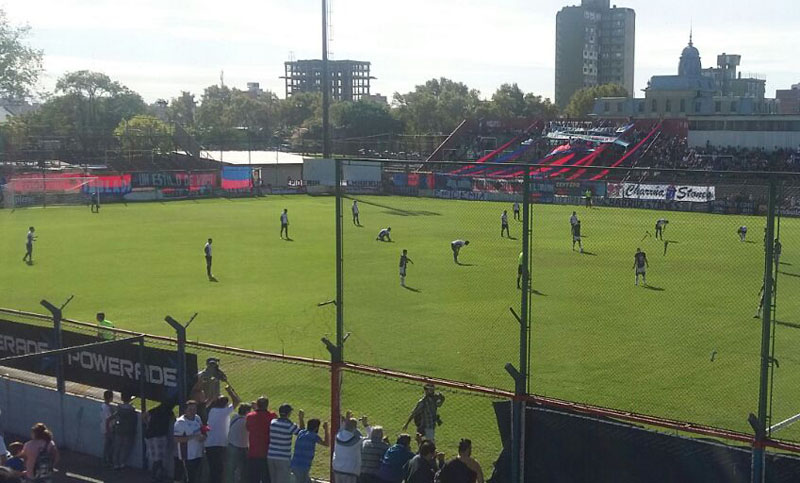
{"points": [[661, 192], [116, 367]]}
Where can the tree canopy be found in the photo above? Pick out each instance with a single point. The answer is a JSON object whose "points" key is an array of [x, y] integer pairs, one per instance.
{"points": [[20, 64], [582, 102]]}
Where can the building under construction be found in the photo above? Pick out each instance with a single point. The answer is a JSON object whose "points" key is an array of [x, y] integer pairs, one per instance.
{"points": [[349, 78]]}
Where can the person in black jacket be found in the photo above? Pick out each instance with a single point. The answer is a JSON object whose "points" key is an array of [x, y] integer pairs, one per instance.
{"points": [[422, 468]]}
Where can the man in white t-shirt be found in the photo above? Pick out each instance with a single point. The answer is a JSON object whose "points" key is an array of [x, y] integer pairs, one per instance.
{"points": [[457, 245], [573, 220], [516, 211], [190, 438], [219, 419]]}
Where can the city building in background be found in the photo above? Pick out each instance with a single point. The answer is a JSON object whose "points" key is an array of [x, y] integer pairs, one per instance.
{"points": [[788, 100], [350, 79], [694, 91], [595, 45]]}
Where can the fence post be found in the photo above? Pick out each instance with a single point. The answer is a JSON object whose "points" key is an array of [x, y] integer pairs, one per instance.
{"points": [[180, 332], [143, 397], [760, 424]]}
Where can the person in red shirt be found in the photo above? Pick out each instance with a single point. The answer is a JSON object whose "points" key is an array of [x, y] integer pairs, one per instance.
{"points": [[257, 423]]}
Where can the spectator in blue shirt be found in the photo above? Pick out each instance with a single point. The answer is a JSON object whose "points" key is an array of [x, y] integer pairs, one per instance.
{"points": [[393, 462], [15, 463], [304, 448]]}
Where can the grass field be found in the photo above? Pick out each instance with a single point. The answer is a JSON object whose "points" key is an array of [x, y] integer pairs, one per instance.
{"points": [[596, 337]]}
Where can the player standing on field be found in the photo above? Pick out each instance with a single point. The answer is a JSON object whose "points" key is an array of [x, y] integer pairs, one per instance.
{"points": [[456, 245], [640, 265], [30, 238], [404, 261], [285, 223], [516, 210], [576, 236], [356, 221], [385, 234], [207, 252], [661, 224], [504, 224], [95, 206], [573, 219], [742, 231], [519, 271]]}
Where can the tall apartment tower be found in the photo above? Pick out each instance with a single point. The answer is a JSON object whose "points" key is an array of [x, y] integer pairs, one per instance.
{"points": [[594, 45]]}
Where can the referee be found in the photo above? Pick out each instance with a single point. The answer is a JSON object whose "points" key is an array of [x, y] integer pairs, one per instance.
{"points": [[207, 251]]}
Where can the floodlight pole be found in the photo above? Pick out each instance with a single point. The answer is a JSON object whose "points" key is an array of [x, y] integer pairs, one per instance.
{"points": [[760, 424], [57, 314], [326, 87]]}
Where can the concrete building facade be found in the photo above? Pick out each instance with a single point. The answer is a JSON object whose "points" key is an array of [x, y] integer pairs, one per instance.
{"points": [[349, 79], [595, 44]]}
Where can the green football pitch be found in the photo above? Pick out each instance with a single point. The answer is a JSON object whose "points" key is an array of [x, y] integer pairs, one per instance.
{"points": [[685, 347]]}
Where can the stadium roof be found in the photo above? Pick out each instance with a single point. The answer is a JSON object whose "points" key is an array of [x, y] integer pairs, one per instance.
{"points": [[254, 157]]}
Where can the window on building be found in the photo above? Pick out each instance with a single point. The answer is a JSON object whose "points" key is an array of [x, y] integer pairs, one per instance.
{"points": [[668, 105], [718, 106], [733, 106], [654, 105], [698, 107], [683, 105], [606, 106]]}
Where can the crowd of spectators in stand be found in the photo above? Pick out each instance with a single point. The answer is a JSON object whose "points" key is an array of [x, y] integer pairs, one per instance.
{"points": [[673, 152], [220, 439]]}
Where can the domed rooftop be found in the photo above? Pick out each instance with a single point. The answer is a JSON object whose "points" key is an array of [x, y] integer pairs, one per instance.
{"points": [[690, 65]]}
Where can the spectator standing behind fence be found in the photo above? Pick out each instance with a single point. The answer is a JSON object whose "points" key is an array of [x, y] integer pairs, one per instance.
{"points": [[304, 449], [159, 423], [219, 420], [462, 469], [40, 455], [236, 461], [190, 438], [124, 425], [372, 450], [105, 328], [423, 467], [281, 431], [347, 452], [207, 387], [106, 416], [258, 431], [395, 459], [425, 414]]}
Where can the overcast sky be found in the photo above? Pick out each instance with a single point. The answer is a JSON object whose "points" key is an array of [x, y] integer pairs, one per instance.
{"points": [[160, 47]]}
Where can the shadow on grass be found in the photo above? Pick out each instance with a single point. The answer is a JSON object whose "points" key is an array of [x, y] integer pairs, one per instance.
{"points": [[540, 294], [466, 264], [398, 211], [750, 242], [213, 279], [588, 253], [412, 289], [788, 324], [510, 237], [790, 274], [654, 288], [784, 263]]}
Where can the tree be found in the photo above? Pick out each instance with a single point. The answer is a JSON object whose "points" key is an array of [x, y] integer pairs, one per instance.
{"points": [[582, 102], [363, 118], [437, 106], [20, 64], [181, 109], [145, 133]]}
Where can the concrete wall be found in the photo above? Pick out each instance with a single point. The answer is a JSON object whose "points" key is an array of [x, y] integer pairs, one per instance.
{"points": [[74, 420]]}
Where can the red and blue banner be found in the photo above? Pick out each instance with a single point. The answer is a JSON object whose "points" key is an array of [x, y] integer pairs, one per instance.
{"points": [[237, 178]]}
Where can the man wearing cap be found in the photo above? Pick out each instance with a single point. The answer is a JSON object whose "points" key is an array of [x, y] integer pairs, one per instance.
{"points": [[207, 387], [281, 431], [425, 415]]}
